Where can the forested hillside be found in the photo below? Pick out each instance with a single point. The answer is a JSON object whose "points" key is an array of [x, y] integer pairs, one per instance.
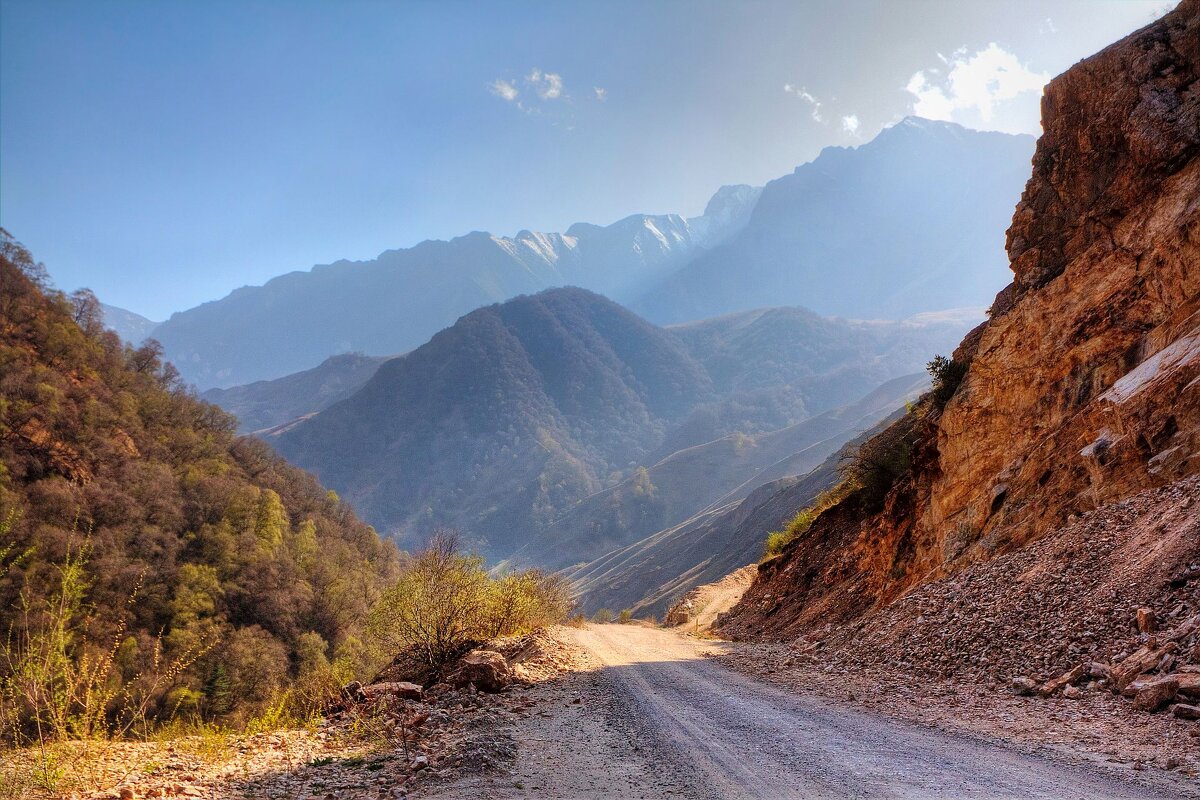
{"points": [[139, 530], [502, 423]]}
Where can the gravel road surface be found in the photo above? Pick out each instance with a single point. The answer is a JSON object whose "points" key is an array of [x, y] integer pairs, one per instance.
{"points": [[651, 717]]}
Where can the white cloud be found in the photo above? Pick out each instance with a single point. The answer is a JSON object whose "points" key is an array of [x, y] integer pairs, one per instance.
{"points": [[548, 85], [980, 83], [503, 89], [1047, 26], [601, 94], [850, 124], [806, 96]]}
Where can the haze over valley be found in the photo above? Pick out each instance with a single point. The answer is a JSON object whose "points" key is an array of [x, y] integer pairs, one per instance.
{"points": [[852, 449]]}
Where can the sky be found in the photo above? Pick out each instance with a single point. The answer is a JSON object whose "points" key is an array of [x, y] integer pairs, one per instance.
{"points": [[165, 153]]}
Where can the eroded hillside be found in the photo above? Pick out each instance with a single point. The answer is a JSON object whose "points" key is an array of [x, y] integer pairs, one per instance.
{"points": [[1081, 389]]}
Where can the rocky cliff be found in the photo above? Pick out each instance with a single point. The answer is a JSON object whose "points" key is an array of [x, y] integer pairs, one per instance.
{"points": [[1083, 387]]}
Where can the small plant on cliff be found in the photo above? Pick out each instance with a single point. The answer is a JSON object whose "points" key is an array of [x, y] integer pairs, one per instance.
{"points": [[799, 524], [881, 460], [947, 376]]}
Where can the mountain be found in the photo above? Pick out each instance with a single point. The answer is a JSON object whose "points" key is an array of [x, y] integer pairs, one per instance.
{"points": [[911, 221], [219, 569], [697, 479], [1048, 490], [268, 404], [650, 575], [503, 419], [728, 211], [502, 423], [400, 299], [132, 328]]}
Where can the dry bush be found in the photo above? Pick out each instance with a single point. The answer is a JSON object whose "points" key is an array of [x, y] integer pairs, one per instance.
{"points": [[444, 602], [881, 460]]}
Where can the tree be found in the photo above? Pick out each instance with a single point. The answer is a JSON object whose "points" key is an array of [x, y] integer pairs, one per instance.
{"points": [[439, 605]]}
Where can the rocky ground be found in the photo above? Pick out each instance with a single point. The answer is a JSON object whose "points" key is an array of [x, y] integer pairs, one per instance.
{"points": [[1086, 640], [655, 715]]}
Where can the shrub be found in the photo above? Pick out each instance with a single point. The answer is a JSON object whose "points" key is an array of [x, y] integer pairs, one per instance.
{"points": [[603, 616], [881, 460], [625, 617], [522, 601], [947, 376], [444, 601], [805, 517], [439, 604]]}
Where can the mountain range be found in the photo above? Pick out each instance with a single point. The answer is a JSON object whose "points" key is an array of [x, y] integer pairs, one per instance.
{"points": [[911, 221], [502, 423], [400, 299]]}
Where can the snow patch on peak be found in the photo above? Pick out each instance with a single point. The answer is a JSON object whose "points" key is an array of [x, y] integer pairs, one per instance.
{"points": [[726, 214]]}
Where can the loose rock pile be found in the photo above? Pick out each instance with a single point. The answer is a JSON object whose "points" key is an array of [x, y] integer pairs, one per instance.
{"points": [[1110, 598]]}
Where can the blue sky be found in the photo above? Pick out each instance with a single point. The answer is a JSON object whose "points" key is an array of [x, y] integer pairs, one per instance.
{"points": [[165, 153]]}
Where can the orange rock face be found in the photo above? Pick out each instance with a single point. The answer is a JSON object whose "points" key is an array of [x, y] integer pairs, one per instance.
{"points": [[1084, 386], [1084, 389]]}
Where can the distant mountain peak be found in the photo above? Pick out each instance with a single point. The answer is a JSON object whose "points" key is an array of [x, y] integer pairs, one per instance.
{"points": [[130, 326]]}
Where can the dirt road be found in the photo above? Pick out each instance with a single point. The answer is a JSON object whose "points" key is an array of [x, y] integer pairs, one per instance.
{"points": [[653, 718]]}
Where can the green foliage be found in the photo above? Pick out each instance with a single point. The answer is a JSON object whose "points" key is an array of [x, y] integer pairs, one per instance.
{"points": [[947, 376], [444, 601], [56, 684], [242, 565], [776, 541], [880, 461], [805, 517], [625, 617], [603, 616]]}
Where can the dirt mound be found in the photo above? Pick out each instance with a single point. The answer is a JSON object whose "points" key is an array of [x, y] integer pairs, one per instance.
{"points": [[697, 611]]}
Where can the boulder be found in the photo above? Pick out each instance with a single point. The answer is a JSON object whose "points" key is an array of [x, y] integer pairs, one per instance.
{"points": [[402, 689], [1066, 679], [1144, 660], [1156, 693], [486, 669], [1147, 622], [1023, 686], [1185, 711], [1189, 683]]}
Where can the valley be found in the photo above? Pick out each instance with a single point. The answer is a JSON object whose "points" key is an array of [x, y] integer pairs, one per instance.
{"points": [[878, 478]]}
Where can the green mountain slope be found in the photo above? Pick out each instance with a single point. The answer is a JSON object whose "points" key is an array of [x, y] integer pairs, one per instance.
{"points": [[186, 531], [505, 421]]}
